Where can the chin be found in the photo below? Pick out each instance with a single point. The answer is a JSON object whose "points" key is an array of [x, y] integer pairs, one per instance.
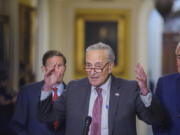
{"points": [[94, 83]]}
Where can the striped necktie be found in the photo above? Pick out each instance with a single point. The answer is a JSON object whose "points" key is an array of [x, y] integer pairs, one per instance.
{"points": [[96, 114]]}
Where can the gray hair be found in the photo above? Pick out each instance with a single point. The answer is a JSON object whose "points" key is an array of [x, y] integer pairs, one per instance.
{"points": [[102, 46], [177, 47]]}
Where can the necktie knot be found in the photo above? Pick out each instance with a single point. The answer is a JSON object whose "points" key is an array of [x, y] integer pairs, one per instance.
{"points": [[99, 90], [55, 89], [55, 93]]}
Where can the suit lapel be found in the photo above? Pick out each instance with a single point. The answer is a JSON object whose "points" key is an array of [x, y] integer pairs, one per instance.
{"points": [[86, 91], [39, 88], [115, 93], [86, 107]]}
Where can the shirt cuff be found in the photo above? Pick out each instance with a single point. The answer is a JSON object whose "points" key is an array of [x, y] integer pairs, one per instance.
{"points": [[146, 99], [44, 94]]}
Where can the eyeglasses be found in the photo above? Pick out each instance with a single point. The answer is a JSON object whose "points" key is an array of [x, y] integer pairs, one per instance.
{"points": [[96, 69]]}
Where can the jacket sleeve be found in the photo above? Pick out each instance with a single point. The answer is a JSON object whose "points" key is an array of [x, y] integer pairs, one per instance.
{"points": [[154, 114], [19, 120], [48, 111]]}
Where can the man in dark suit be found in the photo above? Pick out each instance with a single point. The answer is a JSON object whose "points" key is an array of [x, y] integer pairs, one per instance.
{"points": [[111, 102], [24, 121], [168, 92]]}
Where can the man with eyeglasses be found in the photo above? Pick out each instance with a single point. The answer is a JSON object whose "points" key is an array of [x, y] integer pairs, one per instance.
{"points": [[168, 92], [24, 121], [111, 102]]}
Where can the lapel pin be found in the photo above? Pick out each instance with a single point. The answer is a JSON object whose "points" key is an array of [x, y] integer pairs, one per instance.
{"points": [[107, 106], [116, 94]]}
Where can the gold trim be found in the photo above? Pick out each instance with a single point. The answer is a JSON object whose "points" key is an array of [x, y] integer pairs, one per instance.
{"points": [[26, 2], [119, 16]]}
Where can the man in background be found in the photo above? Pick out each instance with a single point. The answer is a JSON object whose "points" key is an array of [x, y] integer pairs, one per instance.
{"points": [[168, 92], [24, 121]]}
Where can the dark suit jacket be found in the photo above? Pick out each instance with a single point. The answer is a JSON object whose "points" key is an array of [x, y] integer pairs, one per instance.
{"points": [[24, 121], [168, 92], [74, 103]]}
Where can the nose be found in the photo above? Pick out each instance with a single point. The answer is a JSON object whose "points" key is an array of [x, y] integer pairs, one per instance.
{"points": [[92, 72], [56, 68]]}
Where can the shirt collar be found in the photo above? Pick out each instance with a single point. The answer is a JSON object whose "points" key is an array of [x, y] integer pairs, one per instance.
{"points": [[60, 86]]}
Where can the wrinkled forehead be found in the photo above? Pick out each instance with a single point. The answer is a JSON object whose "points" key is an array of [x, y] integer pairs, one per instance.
{"points": [[54, 60], [93, 56]]}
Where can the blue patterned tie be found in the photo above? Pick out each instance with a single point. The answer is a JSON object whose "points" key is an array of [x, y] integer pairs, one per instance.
{"points": [[96, 114]]}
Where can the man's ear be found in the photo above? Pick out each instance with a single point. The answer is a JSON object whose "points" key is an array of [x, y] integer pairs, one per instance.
{"points": [[111, 66], [43, 69]]}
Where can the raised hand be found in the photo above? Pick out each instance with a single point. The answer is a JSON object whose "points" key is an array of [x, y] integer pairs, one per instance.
{"points": [[141, 79]]}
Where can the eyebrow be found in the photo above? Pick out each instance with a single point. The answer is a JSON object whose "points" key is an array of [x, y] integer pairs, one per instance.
{"points": [[96, 64]]}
